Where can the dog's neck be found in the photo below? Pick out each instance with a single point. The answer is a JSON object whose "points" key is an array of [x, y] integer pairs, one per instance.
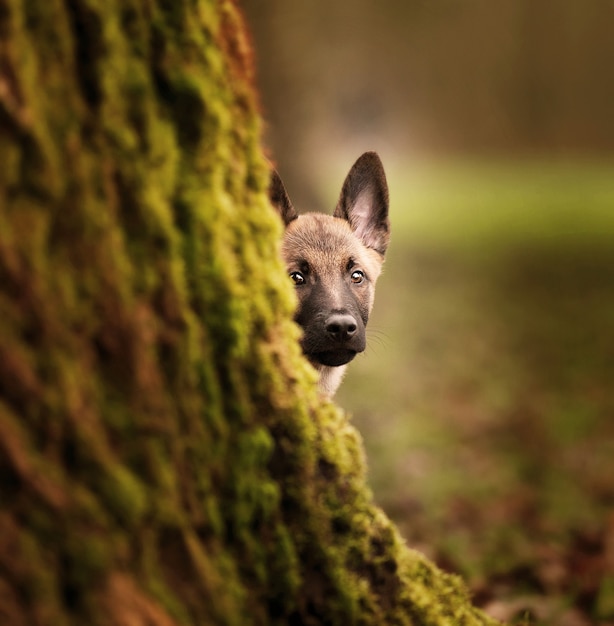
{"points": [[330, 379]]}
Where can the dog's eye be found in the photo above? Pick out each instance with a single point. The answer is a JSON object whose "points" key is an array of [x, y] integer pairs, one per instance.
{"points": [[297, 278], [357, 277]]}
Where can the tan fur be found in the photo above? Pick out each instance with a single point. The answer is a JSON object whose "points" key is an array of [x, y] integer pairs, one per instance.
{"points": [[335, 262]]}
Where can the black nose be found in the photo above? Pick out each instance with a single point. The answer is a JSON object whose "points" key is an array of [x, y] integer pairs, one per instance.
{"points": [[341, 326]]}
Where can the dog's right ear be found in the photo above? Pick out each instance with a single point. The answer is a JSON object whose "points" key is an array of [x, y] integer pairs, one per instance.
{"points": [[364, 202], [280, 200]]}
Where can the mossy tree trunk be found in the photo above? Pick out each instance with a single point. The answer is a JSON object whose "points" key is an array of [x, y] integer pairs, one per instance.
{"points": [[164, 456]]}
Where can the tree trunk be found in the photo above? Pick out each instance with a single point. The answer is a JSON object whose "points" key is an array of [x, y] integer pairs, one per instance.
{"points": [[164, 456]]}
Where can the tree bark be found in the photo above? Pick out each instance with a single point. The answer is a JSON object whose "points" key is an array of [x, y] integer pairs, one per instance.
{"points": [[164, 456]]}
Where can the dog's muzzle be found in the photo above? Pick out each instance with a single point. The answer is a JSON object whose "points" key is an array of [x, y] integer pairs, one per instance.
{"points": [[333, 358], [338, 341]]}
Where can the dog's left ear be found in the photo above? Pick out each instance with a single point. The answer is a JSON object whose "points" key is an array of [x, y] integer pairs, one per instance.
{"points": [[364, 202], [280, 200]]}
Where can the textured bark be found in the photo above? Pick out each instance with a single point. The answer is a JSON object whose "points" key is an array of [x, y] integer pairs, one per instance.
{"points": [[164, 456]]}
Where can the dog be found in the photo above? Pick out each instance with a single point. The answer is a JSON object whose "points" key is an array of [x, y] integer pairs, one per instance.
{"points": [[334, 263]]}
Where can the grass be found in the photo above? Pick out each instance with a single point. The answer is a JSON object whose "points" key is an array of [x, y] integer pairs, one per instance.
{"points": [[520, 202], [484, 398]]}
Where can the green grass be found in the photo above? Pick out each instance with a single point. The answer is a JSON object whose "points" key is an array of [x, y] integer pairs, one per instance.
{"points": [[472, 203], [485, 397]]}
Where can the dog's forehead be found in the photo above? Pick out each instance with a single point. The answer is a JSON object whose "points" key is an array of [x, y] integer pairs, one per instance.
{"points": [[322, 239]]}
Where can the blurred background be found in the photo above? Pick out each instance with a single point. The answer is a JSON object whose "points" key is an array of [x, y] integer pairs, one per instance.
{"points": [[486, 395]]}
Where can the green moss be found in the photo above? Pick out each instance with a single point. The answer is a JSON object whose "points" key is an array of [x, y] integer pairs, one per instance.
{"points": [[35, 578], [604, 606], [155, 581], [284, 578], [168, 396], [124, 495], [86, 558]]}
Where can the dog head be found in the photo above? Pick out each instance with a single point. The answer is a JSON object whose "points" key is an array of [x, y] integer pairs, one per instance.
{"points": [[335, 261]]}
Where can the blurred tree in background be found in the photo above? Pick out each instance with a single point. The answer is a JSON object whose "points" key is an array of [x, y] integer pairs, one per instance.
{"points": [[441, 77]]}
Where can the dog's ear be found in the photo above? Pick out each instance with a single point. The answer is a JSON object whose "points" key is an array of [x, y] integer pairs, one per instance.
{"points": [[364, 202], [280, 200]]}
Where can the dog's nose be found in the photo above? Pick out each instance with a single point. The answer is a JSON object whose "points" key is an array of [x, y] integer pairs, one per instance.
{"points": [[341, 326]]}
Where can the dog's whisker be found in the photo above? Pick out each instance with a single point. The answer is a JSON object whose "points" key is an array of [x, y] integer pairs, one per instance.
{"points": [[379, 337]]}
